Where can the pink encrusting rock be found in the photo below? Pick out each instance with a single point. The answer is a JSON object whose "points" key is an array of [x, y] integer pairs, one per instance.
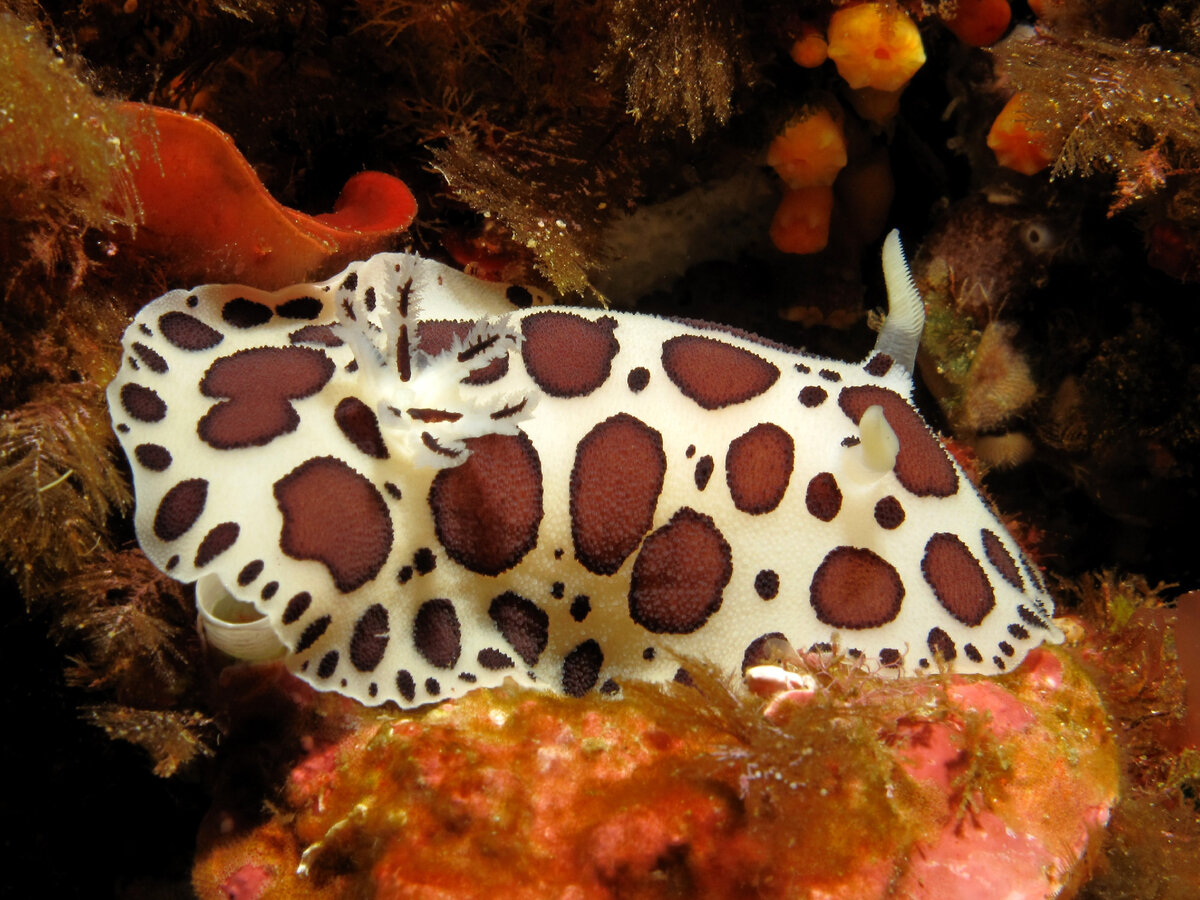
{"points": [[865, 788], [1027, 840]]}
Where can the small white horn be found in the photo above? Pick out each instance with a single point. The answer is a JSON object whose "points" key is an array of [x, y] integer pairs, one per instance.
{"points": [[879, 442], [875, 453]]}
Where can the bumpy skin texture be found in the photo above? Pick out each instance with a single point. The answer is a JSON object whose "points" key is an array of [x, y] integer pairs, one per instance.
{"points": [[425, 490]]}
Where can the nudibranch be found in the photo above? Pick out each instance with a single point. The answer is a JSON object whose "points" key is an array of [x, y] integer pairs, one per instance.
{"points": [[418, 483]]}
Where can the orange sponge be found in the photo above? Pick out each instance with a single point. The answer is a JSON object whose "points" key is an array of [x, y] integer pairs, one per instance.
{"points": [[875, 45], [1018, 144], [810, 151], [801, 223], [810, 49], [980, 22]]}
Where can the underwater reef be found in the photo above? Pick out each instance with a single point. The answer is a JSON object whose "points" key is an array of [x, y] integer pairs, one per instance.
{"points": [[735, 162]]}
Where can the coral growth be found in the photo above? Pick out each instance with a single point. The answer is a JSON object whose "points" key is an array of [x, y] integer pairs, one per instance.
{"points": [[690, 790], [1129, 641]]}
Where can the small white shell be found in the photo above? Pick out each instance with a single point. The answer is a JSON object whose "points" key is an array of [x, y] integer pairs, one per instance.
{"points": [[234, 627], [766, 681]]}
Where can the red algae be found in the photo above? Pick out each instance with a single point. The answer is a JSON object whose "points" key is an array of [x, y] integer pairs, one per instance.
{"points": [[940, 787]]}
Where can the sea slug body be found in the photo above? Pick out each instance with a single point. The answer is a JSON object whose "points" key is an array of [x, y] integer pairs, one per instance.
{"points": [[424, 484]]}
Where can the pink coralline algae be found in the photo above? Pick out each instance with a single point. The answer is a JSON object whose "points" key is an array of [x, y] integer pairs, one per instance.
{"points": [[1031, 843], [247, 883], [860, 789]]}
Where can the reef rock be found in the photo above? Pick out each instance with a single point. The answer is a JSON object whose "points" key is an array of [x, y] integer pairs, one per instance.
{"points": [[859, 787]]}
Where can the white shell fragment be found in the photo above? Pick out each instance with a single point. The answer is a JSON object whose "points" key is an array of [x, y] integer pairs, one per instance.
{"points": [[234, 626]]}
